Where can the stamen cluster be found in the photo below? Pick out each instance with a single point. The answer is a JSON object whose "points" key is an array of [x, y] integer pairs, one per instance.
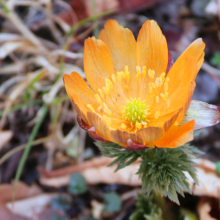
{"points": [[136, 111]]}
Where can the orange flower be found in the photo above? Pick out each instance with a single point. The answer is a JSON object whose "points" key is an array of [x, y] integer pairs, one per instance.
{"points": [[135, 98]]}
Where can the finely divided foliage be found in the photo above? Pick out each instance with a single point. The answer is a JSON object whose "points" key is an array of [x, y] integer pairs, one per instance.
{"points": [[161, 170]]}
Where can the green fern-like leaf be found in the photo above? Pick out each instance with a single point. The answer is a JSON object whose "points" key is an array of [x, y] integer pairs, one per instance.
{"points": [[123, 156], [162, 170]]}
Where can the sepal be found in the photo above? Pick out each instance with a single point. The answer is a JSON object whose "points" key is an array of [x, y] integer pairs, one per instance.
{"points": [[123, 157], [162, 170]]}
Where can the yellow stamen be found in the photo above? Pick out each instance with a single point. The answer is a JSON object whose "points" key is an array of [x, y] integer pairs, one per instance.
{"points": [[157, 82], [127, 74], [90, 107], [152, 85], [144, 124], [107, 119], [98, 98], [106, 109], [138, 69], [109, 84], [123, 126], [157, 114], [119, 76], [104, 105], [123, 74], [106, 91], [165, 86], [100, 93], [152, 73], [144, 71], [165, 96], [157, 99], [113, 78], [99, 109], [176, 123], [138, 125], [162, 75], [168, 103], [167, 79], [126, 69]]}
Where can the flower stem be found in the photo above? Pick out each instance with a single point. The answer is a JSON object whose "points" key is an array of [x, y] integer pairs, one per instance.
{"points": [[167, 214]]}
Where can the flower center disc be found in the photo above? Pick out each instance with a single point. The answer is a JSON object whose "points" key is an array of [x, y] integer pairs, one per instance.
{"points": [[136, 111]]}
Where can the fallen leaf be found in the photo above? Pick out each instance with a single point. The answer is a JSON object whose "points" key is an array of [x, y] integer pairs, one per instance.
{"points": [[31, 207], [96, 209], [204, 208], [96, 171], [23, 191], [5, 137], [213, 7]]}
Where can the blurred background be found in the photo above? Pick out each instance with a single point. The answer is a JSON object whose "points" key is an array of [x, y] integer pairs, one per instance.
{"points": [[49, 167]]}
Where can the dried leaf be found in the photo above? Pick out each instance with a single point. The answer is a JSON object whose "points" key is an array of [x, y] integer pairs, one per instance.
{"points": [[204, 208], [23, 191], [96, 209], [96, 171], [31, 207], [5, 137]]}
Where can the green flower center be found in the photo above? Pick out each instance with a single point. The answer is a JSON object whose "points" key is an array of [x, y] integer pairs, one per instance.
{"points": [[136, 111]]}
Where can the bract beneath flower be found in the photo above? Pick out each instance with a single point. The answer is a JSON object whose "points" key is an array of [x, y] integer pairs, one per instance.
{"points": [[137, 97]]}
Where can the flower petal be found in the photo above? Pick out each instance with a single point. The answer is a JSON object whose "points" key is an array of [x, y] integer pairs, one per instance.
{"points": [[176, 136], [195, 49], [93, 134], [79, 93], [122, 45], [133, 146], [165, 121], [122, 137], [183, 69], [170, 62], [152, 50], [150, 134], [101, 126], [187, 104], [182, 73], [179, 86], [82, 123], [205, 115], [97, 63], [80, 109]]}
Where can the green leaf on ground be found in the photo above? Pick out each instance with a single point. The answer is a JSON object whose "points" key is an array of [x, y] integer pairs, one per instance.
{"points": [[218, 167], [62, 202], [77, 184], [215, 60], [112, 202]]}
